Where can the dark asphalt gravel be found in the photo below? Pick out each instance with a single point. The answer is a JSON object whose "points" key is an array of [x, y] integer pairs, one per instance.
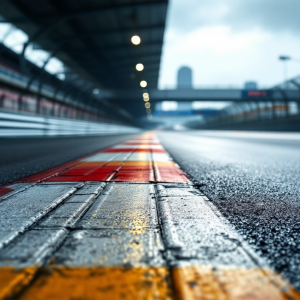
{"points": [[24, 157], [255, 183]]}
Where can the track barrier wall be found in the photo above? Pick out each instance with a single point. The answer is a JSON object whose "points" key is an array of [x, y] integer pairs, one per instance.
{"points": [[25, 125]]}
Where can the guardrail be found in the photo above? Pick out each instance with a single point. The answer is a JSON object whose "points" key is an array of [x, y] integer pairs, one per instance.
{"points": [[269, 116], [26, 125]]}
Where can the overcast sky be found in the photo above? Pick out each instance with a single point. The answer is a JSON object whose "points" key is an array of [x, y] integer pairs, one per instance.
{"points": [[228, 42]]}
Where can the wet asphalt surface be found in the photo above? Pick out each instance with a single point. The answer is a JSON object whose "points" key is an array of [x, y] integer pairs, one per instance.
{"points": [[255, 183], [20, 158]]}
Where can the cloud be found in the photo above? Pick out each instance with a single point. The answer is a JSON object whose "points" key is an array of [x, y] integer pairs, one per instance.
{"points": [[219, 39], [239, 15], [270, 15], [228, 42]]}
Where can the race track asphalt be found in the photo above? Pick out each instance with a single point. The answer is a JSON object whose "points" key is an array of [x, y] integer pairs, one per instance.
{"points": [[24, 157], [254, 180]]}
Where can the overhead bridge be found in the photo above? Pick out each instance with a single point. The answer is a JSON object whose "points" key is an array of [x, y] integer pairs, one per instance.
{"points": [[275, 94]]}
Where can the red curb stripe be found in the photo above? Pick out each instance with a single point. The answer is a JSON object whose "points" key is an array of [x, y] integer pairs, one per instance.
{"points": [[120, 171], [5, 190], [114, 150]]}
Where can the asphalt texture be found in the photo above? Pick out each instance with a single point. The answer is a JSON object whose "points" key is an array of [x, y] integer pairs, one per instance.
{"points": [[20, 158], [254, 182]]}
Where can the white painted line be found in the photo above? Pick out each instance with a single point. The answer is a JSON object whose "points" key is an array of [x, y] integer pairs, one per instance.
{"points": [[250, 134]]}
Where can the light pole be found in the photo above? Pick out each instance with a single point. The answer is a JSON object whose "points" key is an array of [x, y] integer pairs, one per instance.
{"points": [[285, 59]]}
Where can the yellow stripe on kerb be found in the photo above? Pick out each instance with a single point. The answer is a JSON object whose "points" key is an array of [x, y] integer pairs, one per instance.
{"points": [[114, 283], [210, 283], [13, 281], [109, 283]]}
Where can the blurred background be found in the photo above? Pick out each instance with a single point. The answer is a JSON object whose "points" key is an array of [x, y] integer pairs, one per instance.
{"points": [[121, 66]]}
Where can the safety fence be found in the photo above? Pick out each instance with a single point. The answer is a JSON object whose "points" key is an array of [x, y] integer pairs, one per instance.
{"points": [[26, 125], [253, 116]]}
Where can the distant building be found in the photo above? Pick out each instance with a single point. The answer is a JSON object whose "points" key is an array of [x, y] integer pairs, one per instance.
{"points": [[184, 78], [250, 85]]}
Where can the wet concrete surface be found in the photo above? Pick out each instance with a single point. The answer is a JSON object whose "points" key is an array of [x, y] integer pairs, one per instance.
{"points": [[254, 182], [20, 158]]}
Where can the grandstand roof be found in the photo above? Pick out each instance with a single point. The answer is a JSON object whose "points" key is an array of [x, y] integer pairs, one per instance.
{"points": [[93, 37]]}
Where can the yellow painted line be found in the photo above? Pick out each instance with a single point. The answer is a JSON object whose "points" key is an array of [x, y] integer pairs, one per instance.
{"points": [[137, 163], [224, 283], [164, 164], [13, 281], [188, 283], [110, 283]]}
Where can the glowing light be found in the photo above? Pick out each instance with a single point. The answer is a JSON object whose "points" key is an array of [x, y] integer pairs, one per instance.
{"points": [[149, 117], [143, 83], [136, 40], [139, 67], [147, 105], [146, 97]]}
